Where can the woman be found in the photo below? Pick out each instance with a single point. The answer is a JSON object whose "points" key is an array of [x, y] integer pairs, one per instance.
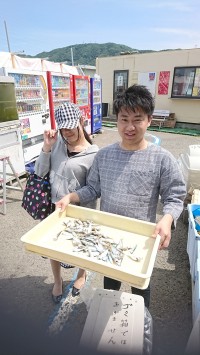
{"points": [[68, 156]]}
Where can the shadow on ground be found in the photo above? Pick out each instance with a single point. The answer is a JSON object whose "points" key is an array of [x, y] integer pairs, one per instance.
{"points": [[24, 315]]}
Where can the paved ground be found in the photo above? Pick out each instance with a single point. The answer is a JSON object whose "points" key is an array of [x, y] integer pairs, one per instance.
{"points": [[27, 313]]}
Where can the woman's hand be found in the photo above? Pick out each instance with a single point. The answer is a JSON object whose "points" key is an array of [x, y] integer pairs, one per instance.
{"points": [[50, 137], [63, 203], [163, 228], [66, 200]]}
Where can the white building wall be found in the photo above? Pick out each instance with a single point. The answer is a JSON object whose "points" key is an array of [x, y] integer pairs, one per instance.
{"points": [[186, 110]]}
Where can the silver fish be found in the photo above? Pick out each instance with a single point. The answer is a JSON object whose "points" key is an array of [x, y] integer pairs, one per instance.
{"points": [[87, 238]]}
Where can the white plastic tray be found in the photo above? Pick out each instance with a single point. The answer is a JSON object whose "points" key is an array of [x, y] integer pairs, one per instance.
{"points": [[41, 240]]}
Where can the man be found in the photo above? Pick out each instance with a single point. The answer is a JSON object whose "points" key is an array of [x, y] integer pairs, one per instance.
{"points": [[130, 175]]}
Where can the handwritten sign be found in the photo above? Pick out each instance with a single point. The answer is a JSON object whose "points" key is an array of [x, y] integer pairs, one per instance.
{"points": [[115, 323]]}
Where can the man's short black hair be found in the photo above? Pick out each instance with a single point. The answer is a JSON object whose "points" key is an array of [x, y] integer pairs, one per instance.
{"points": [[134, 98]]}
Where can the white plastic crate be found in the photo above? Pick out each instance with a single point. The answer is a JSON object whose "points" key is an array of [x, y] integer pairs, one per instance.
{"points": [[196, 196], [190, 167], [193, 242], [194, 150], [193, 344], [196, 291]]}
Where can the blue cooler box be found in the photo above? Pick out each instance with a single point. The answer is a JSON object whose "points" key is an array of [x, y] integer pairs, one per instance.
{"points": [[193, 242], [193, 250]]}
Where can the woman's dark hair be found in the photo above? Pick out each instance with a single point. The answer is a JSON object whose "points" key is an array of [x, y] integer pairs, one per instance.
{"points": [[87, 137], [133, 98]]}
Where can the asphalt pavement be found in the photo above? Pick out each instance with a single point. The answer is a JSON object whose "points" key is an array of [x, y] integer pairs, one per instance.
{"points": [[32, 324]]}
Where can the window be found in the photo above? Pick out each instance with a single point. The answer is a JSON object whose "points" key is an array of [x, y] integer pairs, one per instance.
{"points": [[120, 82], [186, 83]]}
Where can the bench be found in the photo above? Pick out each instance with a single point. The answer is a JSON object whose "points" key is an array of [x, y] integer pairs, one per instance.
{"points": [[161, 117]]}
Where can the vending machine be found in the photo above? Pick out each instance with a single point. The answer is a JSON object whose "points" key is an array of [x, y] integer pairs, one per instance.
{"points": [[96, 104], [33, 109], [60, 90], [10, 137], [81, 86]]}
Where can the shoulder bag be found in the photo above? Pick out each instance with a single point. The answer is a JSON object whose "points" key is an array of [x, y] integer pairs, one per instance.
{"points": [[37, 196]]}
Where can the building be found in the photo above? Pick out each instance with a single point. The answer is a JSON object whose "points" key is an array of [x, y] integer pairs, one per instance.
{"points": [[88, 70], [173, 77]]}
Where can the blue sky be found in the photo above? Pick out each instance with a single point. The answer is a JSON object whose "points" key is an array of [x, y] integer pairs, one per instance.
{"points": [[37, 26]]}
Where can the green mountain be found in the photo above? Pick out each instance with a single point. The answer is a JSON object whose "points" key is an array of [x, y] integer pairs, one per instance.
{"points": [[86, 54]]}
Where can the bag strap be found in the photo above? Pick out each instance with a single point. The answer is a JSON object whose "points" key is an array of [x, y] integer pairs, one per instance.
{"points": [[37, 177]]}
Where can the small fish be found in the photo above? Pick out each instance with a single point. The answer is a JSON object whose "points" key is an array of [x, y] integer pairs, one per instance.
{"points": [[78, 249], [67, 235], [93, 252], [131, 250], [87, 238], [76, 242], [78, 221], [135, 257], [103, 256], [91, 240], [100, 248], [110, 258]]}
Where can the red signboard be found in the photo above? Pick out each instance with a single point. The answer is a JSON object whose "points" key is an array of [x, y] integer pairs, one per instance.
{"points": [[163, 83]]}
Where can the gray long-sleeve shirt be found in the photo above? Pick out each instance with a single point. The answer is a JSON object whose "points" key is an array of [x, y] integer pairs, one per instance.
{"points": [[130, 182], [67, 174]]}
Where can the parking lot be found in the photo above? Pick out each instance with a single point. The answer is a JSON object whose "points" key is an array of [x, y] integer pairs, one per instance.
{"points": [[26, 281]]}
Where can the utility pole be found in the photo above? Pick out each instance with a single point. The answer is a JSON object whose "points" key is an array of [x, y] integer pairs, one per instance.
{"points": [[72, 56], [7, 36]]}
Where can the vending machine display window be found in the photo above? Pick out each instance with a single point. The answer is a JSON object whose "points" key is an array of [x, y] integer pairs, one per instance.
{"points": [[60, 89], [82, 98], [30, 93], [81, 87], [32, 107], [8, 107], [96, 104]]}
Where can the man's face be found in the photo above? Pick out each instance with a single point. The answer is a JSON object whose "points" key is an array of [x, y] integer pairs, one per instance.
{"points": [[132, 126]]}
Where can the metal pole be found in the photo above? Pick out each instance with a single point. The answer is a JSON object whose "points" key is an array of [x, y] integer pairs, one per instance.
{"points": [[51, 106], [7, 36], [72, 56]]}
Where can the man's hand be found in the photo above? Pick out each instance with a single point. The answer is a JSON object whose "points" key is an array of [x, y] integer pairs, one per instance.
{"points": [[163, 228]]}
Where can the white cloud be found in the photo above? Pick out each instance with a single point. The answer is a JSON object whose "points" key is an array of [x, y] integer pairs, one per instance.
{"points": [[177, 31], [176, 5]]}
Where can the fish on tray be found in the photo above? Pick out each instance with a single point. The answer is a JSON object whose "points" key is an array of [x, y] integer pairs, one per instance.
{"points": [[87, 238]]}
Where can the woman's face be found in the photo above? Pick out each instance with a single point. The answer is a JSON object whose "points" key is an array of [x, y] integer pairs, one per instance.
{"points": [[72, 135]]}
